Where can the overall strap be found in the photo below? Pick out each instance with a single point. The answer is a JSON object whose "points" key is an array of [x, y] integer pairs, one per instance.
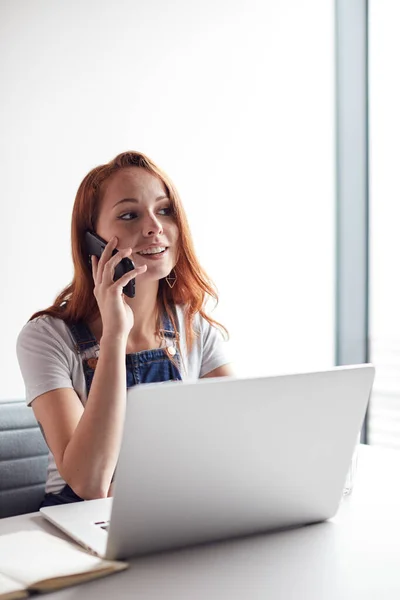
{"points": [[84, 338], [167, 327]]}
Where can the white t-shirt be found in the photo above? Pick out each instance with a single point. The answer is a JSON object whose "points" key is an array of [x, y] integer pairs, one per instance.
{"points": [[49, 360]]}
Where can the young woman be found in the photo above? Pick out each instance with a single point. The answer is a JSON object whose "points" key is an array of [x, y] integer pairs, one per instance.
{"points": [[79, 356]]}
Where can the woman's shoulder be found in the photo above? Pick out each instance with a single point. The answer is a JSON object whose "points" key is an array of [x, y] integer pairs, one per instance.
{"points": [[199, 322], [201, 327], [207, 351], [46, 329]]}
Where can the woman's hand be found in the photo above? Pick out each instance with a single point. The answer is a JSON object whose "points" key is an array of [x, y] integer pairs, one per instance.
{"points": [[116, 314]]}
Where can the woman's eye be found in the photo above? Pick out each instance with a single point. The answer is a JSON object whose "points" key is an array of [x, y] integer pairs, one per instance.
{"points": [[167, 210], [128, 216]]}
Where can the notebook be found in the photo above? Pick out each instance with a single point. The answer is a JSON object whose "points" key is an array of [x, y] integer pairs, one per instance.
{"points": [[35, 561]]}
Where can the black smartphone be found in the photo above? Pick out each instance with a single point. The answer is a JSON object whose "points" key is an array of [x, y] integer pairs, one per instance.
{"points": [[95, 246]]}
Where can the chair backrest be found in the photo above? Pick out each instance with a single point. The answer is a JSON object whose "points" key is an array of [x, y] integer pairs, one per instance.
{"points": [[23, 460]]}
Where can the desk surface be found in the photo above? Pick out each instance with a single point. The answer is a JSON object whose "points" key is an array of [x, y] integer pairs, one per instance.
{"points": [[354, 555]]}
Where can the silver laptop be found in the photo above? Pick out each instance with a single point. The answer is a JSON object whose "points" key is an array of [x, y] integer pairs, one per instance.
{"points": [[221, 458]]}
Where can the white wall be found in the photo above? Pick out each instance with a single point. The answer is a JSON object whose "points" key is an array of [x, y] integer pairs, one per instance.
{"points": [[233, 99]]}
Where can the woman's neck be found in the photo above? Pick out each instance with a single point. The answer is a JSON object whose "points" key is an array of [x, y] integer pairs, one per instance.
{"points": [[144, 307]]}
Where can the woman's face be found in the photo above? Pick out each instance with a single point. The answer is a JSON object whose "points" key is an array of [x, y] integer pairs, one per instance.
{"points": [[136, 209]]}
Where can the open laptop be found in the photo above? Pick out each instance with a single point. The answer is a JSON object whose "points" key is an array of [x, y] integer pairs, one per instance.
{"points": [[219, 458]]}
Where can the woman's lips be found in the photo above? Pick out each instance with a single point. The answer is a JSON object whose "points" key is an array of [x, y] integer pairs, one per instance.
{"points": [[158, 256]]}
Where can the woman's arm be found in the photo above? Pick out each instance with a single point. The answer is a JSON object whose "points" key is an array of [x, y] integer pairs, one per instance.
{"points": [[86, 442]]}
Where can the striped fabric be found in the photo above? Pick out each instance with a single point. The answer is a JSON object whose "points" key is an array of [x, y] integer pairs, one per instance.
{"points": [[23, 460]]}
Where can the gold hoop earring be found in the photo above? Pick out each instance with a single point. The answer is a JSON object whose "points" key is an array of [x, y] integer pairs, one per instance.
{"points": [[171, 279]]}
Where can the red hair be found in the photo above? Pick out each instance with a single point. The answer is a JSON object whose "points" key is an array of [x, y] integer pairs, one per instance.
{"points": [[193, 286]]}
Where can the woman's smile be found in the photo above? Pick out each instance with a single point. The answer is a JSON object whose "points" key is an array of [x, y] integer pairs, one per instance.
{"points": [[155, 253]]}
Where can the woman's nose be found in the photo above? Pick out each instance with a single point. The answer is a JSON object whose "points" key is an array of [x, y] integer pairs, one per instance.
{"points": [[152, 226]]}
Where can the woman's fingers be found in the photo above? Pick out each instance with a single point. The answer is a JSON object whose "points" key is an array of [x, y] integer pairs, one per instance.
{"points": [[103, 269], [105, 257], [109, 269], [95, 266], [126, 278]]}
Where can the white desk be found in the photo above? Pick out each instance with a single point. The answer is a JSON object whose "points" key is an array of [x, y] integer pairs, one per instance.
{"points": [[354, 556]]}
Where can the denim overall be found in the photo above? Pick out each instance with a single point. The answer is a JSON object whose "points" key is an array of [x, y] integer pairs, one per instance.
{"points": [[147, 366]]}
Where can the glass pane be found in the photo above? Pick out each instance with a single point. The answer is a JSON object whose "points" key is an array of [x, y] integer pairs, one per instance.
{"points": [[384, 415]]}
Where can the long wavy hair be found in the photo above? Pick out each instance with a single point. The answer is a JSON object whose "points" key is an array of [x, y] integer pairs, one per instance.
{"points": [[193, 287]]}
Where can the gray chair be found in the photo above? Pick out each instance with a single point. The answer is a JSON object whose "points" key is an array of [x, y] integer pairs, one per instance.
{"points": [[23, 460]]}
